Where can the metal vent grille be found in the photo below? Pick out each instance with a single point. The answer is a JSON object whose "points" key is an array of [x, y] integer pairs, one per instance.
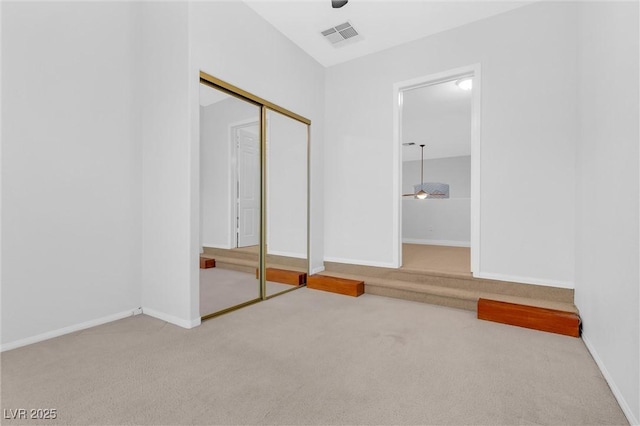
{"points": [[340, 33]]}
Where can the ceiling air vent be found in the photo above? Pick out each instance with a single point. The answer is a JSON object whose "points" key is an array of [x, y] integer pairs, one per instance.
{"points": [[340, 33]]}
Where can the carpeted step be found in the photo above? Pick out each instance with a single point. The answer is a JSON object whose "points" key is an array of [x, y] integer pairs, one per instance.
{"points": [[447, 296], [287, 262], [251, 254], [240, 265], [241, 254], [449, 280]]}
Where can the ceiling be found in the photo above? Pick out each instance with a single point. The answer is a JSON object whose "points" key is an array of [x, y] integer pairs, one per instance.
{"points": [[438, 116], [381, 24]]}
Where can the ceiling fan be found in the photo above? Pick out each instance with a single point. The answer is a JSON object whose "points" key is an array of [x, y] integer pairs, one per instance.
{"points": [[421, 194], [337, 4]]}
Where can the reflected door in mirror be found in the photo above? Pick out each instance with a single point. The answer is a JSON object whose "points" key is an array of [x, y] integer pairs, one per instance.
{"points": [[229, 200]]}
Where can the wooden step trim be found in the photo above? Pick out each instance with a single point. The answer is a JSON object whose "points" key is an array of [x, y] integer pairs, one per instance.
{"points": [[551, 320], [336, 285], [284, 276], [206, 263]]}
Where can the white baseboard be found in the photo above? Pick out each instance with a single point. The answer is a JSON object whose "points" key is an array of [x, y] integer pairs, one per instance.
{"points": [[612, 384], [449, 243], [220, 246], [317, 270], [171, 319], [71, 329], [524, 280], [360, 262]]}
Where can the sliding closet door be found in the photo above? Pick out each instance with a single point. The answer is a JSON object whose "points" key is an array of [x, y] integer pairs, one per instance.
{"points": [[230, 188], [286, 198]]}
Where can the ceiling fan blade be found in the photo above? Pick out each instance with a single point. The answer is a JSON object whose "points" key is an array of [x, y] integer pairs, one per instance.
{"points": [[336, 4], [408, 195]]}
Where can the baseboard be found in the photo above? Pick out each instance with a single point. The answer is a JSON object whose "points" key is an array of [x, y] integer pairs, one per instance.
{"points": [[71, 329], [317, 270], [449, 243], [360, 262], [171, 319], [523, 280], [612, 384], [218, 246]]}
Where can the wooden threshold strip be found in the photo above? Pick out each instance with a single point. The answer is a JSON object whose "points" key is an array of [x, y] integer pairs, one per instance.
{"points": [[336, 285], [551, 320], [206, 263], [284, 276]]}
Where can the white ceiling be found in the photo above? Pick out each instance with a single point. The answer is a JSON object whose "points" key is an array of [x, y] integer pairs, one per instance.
{"points": [[438, 116], [382, 24]]}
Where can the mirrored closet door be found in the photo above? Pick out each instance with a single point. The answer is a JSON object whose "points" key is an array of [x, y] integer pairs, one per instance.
{"points": [[230, 170], [254, 183], [287, 187]]}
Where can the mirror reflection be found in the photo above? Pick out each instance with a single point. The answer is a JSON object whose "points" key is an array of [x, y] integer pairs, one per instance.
{"points": [[229, 200], [286, 170]]}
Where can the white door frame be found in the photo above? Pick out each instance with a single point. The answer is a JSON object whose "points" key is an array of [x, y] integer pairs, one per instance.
{"points": [[398, 88], [233, 176]]}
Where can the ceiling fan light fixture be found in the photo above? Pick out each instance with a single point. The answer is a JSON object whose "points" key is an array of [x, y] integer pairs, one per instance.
{"points": [[337, 4], [465, 83], [421, 195]]}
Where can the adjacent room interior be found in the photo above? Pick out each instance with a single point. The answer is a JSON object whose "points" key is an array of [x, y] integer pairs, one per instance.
{"points": [[436, 159]]}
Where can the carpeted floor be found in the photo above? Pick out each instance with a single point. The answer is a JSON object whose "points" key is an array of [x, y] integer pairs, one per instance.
{"points": [[451, 260], [223, 288], [309, 357]]}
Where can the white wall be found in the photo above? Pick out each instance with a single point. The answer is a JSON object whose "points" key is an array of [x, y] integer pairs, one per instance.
{"points": [[169, 250], [286, 186], [104, 192], [444, 221], [261, 60], [71, 180], [217, 166], [607, 213], [528, 122]]}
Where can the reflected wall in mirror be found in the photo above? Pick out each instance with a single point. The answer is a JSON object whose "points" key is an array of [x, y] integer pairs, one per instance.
{"points": [[286, 229], [229, 200]]}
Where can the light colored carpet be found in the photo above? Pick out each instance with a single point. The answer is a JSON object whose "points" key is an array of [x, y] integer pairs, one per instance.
{"points": [[310, 357], [223, 288], [452, 260]]}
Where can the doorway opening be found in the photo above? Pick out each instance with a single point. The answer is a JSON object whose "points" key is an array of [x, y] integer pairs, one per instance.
{"points": [[245, 184], [437, 143]]}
